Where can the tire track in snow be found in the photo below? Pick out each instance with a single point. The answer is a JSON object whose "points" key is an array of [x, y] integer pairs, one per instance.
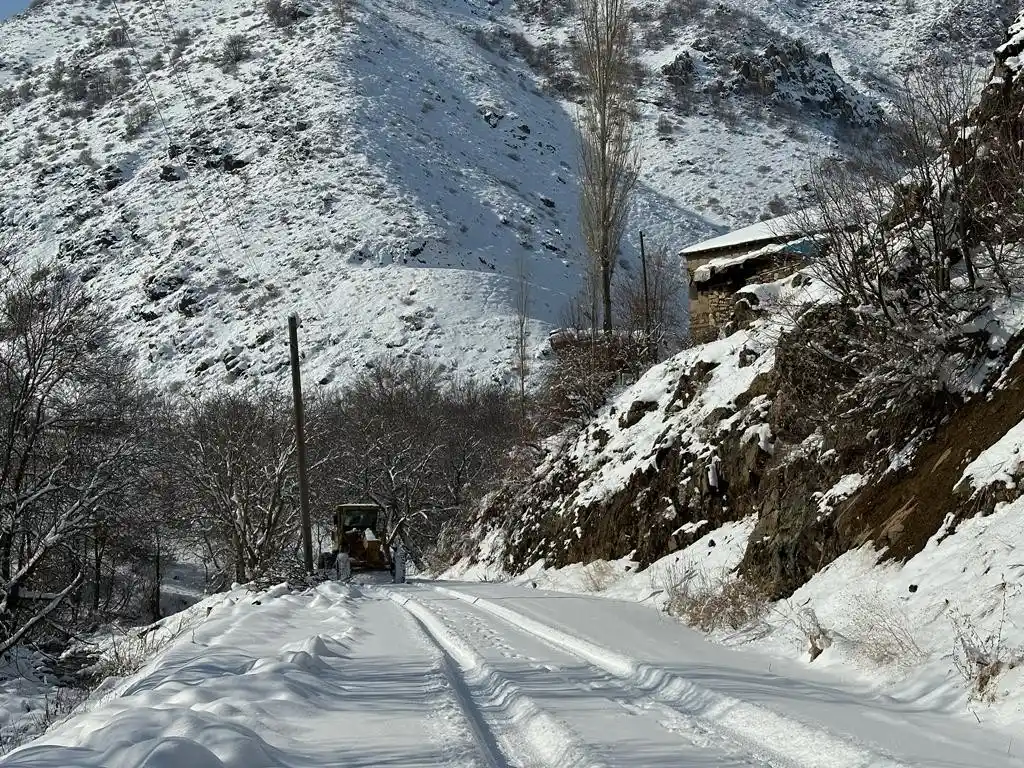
{"points": [[769, 736], [527, 736], [622, 694]]}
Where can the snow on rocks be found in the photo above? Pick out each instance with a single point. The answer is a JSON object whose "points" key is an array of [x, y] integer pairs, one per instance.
{"points": [[720, 377], [1000, 463]]}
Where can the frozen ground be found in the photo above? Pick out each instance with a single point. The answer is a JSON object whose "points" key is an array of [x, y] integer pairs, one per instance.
{"points": [[486, 675]]}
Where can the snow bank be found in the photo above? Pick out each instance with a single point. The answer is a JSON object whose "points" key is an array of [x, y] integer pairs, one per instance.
{"points": [[902, 629], [204, 699]]}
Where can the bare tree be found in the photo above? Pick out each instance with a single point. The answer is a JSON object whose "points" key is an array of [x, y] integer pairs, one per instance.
{"points": [[921, 237], [424, 449], [932, 111], [915, 249], [68, 443], [235, 466], [609, 152], [650, 307]]}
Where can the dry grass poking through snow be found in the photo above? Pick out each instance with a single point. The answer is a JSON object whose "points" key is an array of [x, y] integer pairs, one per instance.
{"points": [[57, 706], [600, 575], [979, 657], [710, 603], [884, 633], [126, 651]]}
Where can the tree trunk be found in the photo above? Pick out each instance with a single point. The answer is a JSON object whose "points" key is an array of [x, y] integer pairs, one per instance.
{"points": [[606, 294]]}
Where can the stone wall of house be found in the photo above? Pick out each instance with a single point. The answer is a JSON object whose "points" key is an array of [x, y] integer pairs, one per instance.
{"points": [[712, 308]]}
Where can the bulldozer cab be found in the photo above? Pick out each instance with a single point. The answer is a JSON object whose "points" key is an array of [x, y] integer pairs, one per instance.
{"points": [[360, 517], [357, 535]]}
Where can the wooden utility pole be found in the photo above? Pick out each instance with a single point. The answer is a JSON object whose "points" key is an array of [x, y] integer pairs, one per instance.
{"points": [[647, 300], [300, 443]]}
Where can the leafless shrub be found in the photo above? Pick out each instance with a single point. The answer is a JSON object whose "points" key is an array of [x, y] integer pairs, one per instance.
{"points": [[127, 651], [341, 10], [980, 657], [884, 633], [8, 99], [585, 369], [117, 37], [805, 620], [137, 118], [86, 87], [914, 247], [181, 38], [57, 705], [670, 18], [599, 576], [281, 13], [236, 49], [710, 603], [26, 91], [549, 11]]}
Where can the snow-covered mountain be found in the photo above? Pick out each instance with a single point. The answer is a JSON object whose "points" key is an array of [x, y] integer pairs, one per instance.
{"points": [[386, 168]]}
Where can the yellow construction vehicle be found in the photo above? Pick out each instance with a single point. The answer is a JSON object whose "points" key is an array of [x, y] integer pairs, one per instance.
{"points": [[361, 544]]}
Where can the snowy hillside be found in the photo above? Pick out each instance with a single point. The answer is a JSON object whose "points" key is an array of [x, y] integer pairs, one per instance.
{"points": [[384, 171], [382, 177]]}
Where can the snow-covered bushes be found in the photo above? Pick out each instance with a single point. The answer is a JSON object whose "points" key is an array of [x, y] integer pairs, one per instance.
{"points": [[136, 119], [711, 603], [584, 370], [235, 50], [982, 656], [85, 86]]}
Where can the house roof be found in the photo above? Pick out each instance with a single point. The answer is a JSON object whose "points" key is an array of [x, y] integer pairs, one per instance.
{"points": [[705, 272], [779, 229]]}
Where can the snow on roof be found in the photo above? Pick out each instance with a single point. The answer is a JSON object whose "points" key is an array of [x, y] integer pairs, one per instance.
{"points": [[790, 225], [705, 272]]}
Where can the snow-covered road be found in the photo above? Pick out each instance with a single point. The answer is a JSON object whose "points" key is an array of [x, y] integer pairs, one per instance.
{"points": [[486, 675]]}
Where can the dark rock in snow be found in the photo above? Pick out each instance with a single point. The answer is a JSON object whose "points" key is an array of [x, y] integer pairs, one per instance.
{"points": [[159, 287], [171, 173], [637, 410]]}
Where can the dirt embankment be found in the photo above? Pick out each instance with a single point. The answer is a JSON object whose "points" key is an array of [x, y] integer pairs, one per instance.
{"points": [[902, 511]]}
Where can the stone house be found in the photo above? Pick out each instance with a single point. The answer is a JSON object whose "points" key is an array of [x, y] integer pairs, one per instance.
{"points": [[717, 268]]}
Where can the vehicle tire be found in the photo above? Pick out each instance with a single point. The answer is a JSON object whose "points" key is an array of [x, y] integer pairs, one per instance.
{"points": [[343, 567], [398, 569]]}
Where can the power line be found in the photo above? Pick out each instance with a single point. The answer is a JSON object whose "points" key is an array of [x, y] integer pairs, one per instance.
{"points": [[192, 107], [167, 132], [188, 93]]}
